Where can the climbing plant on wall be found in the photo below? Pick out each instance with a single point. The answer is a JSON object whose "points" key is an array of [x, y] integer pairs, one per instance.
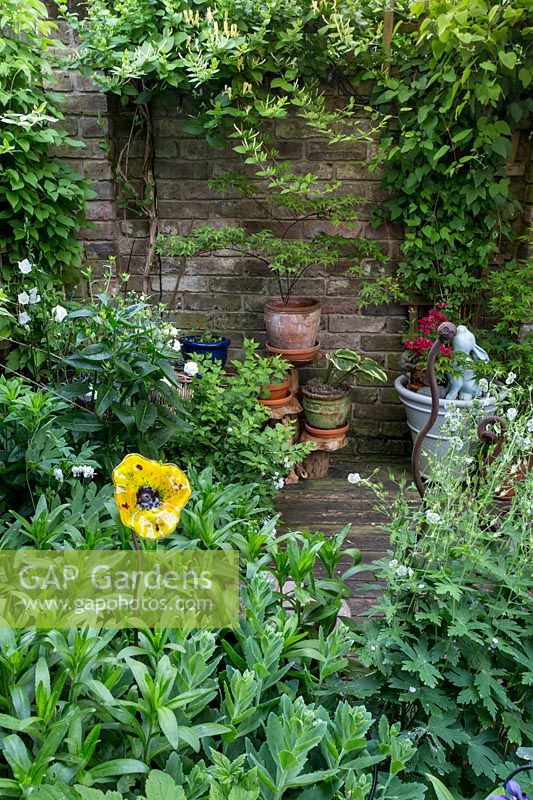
{"points": [[42, 200], [460, 87], [450, 80], [231, 66]]}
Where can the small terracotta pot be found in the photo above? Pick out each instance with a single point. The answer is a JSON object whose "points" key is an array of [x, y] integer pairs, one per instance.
{"points": [[279, 401], [321, 433], [326, 411], [293, 325], [296, 357], [277, 390]]}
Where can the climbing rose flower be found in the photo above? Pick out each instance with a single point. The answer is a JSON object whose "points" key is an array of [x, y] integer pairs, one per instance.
{"points": [[354, 478], [24, 266], [433, 517], [191, 369], [23, 299], [59, 313], [24, 318]]}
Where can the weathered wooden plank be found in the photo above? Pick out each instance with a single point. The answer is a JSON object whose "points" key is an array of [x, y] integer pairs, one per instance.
{"points": [[328, 505]]}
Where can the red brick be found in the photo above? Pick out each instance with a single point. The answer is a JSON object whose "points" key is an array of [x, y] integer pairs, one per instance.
{"points": [[211, 302], [100, 211], [381, 342], [340, 322]]}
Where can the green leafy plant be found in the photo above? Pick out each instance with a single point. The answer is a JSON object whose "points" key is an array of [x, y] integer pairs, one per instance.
{"points": [[344, 364], [119, 372], [43, 201], [460, 89], [292, 199], [37, 452], [229, 430], [448, 647]]}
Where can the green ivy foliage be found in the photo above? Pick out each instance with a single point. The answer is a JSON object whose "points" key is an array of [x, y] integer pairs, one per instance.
{"points": [[459, 84], [42, 200]]}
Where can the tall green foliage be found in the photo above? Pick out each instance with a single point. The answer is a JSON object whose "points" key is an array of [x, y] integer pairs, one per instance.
{"points": [[42, 200], [459, 86]]}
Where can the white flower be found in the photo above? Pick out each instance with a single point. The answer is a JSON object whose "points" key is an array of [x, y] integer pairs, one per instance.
{"points": [[59, 313], [279, 484], [176, 345], [394, 563], [24, 318], [433, 517], [421, 585], [495, 641], [529, 425], [58, 474], [354, 478], [410, 572], [287, 463], [483, 385], [510, 378], [24, 266], [35, 297], [23, 299], [85, 470], [412, 689], [191, 368], [511, 414], [457, 442], [402, 571], [469, 461], [373, 647], [230, 430]]}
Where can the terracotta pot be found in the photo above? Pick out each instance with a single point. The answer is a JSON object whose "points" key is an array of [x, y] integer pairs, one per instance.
{"points": [[279, 401], [293, 325], [326, 411], [321, 433], [295, 357], [277, 390]]}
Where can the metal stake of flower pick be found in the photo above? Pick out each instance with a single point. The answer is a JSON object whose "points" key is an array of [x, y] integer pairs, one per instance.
{"points": [[445, 335]]}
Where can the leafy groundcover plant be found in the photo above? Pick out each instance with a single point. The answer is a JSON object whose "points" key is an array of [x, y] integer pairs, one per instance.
{"points": [[248, 712], [448, 649]]}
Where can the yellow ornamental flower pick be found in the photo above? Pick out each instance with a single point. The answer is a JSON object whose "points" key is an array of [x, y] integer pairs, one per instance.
{"points": [[150, 495]]}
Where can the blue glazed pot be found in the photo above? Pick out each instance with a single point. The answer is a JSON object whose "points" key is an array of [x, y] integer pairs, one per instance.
{"points": [[218, 351]]}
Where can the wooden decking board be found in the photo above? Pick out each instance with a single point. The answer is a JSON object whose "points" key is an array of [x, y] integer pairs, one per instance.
{"points": [[328, 505]]}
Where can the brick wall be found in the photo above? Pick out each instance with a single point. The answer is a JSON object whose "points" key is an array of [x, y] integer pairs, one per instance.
{"points": [[88, 119], [226, 293]]}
